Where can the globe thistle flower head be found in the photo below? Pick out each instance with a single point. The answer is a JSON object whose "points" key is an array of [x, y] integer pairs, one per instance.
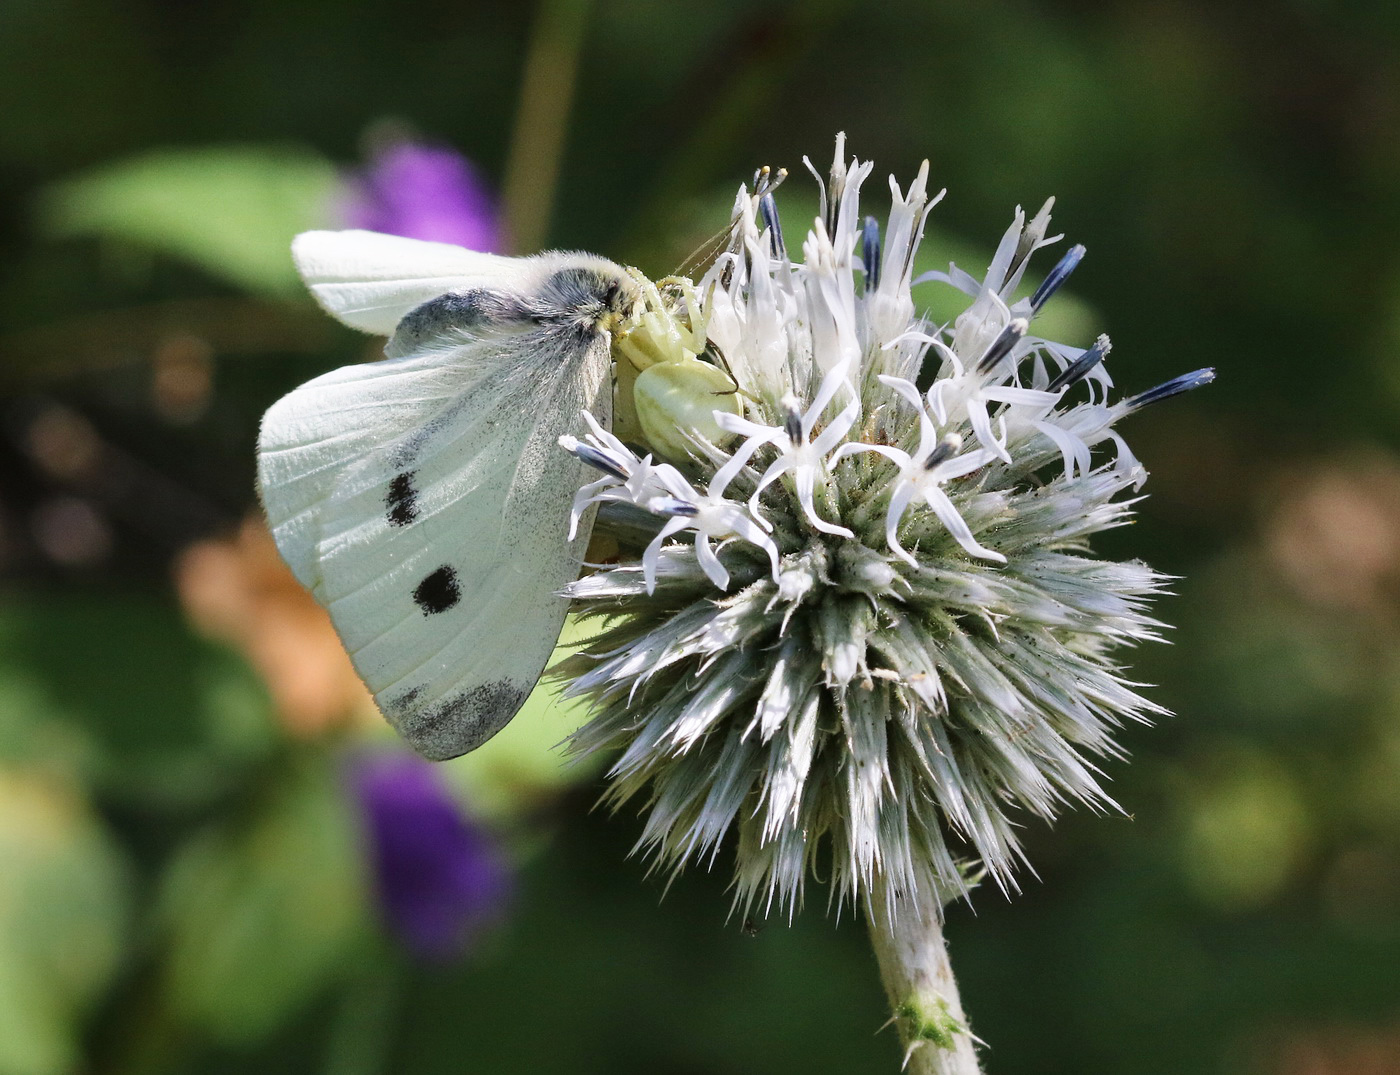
{"points": [[863, 629]]}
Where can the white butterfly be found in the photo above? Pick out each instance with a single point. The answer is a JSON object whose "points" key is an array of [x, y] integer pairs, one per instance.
{"points": [[423, 500]]}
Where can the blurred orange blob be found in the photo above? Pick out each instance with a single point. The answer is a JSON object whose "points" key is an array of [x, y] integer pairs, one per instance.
{"points": [[1358, 1052], [182, 377], [239, 591], [1334, 535]]}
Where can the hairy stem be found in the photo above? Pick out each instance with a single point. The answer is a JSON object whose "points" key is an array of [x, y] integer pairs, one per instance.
{"points": [[907, 934]]}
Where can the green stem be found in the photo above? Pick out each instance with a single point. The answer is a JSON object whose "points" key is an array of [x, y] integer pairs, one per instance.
{"points": [[907, 934], [541, 121], [362, 1034]]}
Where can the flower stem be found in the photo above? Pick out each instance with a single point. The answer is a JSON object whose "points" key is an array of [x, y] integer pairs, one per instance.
{"points": [[907, 934], [541, 121]]}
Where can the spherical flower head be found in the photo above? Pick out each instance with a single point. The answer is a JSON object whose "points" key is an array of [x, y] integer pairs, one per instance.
{"points": [[866, 631]]}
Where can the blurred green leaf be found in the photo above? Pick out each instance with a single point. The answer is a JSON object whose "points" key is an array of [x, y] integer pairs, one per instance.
{"points": [[36, 1036], [118, 684], [63, 904], [1247, 826], [232, 211], [261, 917]]}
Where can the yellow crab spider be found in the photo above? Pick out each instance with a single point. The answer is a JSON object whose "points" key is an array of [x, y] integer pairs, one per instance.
{"points": [[674, 393]]}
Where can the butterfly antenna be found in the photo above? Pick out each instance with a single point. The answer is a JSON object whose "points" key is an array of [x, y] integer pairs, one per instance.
{"points": [[698, 262], [765, 181]]}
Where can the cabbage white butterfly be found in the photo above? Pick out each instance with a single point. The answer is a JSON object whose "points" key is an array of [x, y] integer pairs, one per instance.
{"points": [[423, 499]]}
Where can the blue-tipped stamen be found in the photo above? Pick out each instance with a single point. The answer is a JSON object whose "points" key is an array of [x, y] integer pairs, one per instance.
{"points": [[665, 505], [768, 209], [765, 182], [1166, 390], [601, 459], [1057, 276], [870, 253], [792, 424], [1077, 370], [1001, 347], [946, 447]]}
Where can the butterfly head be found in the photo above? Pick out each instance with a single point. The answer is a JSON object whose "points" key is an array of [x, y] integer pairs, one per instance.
{"points": [[618, 303]]}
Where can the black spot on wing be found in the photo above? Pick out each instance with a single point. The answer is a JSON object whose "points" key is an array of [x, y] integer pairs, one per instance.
{"points": [[438, 591], [458, 723], [401, 501]]}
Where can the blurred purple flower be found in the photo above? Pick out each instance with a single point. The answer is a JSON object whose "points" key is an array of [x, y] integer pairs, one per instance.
{"points": [[440, 877], [422, 191]]}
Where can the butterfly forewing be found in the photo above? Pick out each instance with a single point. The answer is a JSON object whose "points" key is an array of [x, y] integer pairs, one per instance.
{"points": [[425, 501], [370, 281], [442, 557]]}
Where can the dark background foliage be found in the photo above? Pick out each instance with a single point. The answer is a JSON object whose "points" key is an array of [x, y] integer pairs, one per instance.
{"points": [[183, 890]]}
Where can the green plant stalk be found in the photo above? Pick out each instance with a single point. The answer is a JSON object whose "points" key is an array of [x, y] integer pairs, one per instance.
{"points": [[907, 935], [541, 122]]}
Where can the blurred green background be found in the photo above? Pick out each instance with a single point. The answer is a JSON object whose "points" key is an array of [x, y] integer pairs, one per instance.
{"points": [[186, 876]]}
